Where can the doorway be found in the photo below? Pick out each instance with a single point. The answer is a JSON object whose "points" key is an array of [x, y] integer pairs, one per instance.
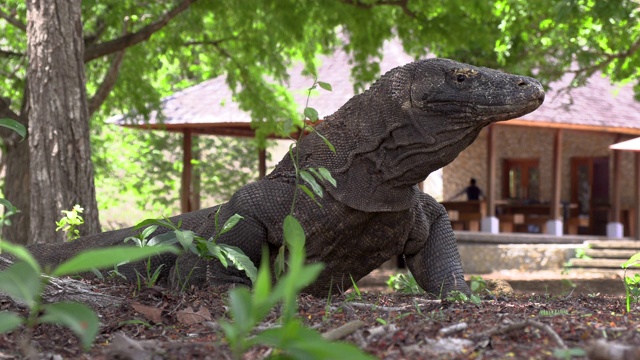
{"points": [[590, 192]]}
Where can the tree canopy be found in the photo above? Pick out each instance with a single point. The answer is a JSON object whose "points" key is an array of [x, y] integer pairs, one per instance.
{"points": [[137, 52]]}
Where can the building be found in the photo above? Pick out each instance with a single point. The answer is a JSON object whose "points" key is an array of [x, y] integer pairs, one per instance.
{"points": [[552, 171]]}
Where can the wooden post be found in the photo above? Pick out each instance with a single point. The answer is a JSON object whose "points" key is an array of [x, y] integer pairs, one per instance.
{"points": [[491, 171], [637, 202], [262, 163], [556, 213], [185, 184], [614, 216]]}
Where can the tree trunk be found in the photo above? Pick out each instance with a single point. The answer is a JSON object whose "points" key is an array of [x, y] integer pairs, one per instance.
{"points": [[16, 189], [16, 180], [60, 154]]}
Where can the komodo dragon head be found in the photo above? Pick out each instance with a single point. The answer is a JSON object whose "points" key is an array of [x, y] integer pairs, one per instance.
{"points": [[414, 120]]}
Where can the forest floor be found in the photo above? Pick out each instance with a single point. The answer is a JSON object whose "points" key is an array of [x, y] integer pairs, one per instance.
{"points": [[159, 324]]}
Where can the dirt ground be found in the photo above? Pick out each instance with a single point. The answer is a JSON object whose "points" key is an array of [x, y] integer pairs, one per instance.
{"points": [[540, 320]]}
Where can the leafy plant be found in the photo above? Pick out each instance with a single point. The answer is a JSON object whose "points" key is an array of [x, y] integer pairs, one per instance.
{"points": [[70, 221], [478, 285], [405, 284], [308, 175], [9, 210], [581, 252], [291, 339], [631, 283], [23, 282], [189, 241], [355, 294]]}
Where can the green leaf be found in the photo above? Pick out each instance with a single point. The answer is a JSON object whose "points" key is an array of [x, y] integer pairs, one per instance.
{"points": [[137, 242], [159, 222], [262, 285], [299, 342], [229, 224], [309, 179], [309, 193], [326, 141], [21, 282], [108, 257], [325, 85], [148, 231], [9, 321], [21, 253], [215, 250], [15, 126], [168, 238], [240, 307], [185, 238], [240, 260], [77, 317], [324, 175], [634, 260], [293, 233], [324, 172], [311, 114], [8, 205]]}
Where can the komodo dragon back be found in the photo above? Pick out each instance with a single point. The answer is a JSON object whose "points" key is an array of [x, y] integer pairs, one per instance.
{"points": [[414, 120]]}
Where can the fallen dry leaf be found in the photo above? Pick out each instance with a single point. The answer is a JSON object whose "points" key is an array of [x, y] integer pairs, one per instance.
{"points": [[188, 316], [152, 313]]}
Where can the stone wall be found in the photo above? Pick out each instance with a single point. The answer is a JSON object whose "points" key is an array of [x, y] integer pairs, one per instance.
{"points": [[520, 142]]}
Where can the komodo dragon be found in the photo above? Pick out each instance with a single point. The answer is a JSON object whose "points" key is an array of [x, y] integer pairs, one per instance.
{"points": [[414, 120]]}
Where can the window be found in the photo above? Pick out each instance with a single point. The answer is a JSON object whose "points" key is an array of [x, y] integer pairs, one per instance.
{"points": [[521, 180]]}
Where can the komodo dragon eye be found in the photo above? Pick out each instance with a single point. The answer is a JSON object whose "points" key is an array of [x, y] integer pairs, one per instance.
{"points": [[461, 78]]}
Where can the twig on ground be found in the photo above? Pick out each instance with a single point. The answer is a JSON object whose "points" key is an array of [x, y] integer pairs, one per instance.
{"points": [[378, 307], [452, 329], [521, 325], [343, 331]]}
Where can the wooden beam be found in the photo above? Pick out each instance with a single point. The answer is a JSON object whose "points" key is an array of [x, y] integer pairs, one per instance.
{"points": [[554, 125], [556, 213], [185, 184]]}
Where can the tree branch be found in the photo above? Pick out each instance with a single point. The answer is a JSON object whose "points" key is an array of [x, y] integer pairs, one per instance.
{"points": [[108, 82], [8, 54], [608, 58], [205, 42], [13, 21], [128, 40]]}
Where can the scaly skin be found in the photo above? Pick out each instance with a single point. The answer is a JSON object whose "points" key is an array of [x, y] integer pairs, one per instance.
{"points": [[414, 120]]}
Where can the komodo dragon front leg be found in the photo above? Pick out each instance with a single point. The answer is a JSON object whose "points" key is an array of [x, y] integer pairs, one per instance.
{"points": [[431, 252]]}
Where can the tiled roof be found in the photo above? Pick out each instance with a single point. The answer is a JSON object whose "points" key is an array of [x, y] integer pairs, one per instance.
{"points": [[209, 104], [598, 106]]}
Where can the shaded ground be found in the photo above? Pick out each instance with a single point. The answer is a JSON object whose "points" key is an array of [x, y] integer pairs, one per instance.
{"points": [[393, 326]]}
